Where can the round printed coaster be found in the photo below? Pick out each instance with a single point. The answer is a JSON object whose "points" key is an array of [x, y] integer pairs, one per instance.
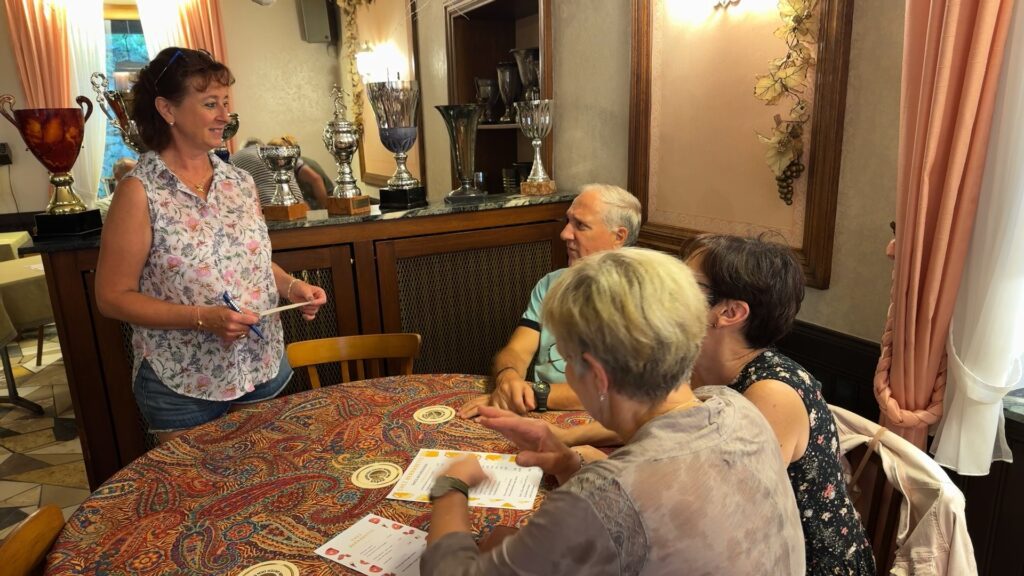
{"points": [[434, 414], [376, 475], [271, 568]]}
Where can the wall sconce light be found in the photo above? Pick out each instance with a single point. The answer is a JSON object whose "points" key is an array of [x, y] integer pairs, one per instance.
{"points": [[725, 3], [366, 61]]}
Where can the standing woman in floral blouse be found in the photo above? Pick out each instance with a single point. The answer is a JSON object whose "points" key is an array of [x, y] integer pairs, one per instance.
{"points": [[183, 229], [754, 289]]}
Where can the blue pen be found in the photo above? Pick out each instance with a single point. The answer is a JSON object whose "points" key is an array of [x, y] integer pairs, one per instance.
{"points": [[231, 304]]}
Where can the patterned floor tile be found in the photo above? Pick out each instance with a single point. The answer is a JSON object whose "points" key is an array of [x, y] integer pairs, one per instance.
{"points": [[61, 496], [9, 489], [11, 516], [26, 425], [18, 464], [26, 442], [29, 497], [69, 447], [71, 475], [61, 397], [54, 459]]}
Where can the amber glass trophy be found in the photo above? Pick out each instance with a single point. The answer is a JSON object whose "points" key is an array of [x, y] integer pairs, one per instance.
{"points": [[54, 136]]}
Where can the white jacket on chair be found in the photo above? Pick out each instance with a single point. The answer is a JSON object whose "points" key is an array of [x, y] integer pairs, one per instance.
{"points": [[932, 538]]}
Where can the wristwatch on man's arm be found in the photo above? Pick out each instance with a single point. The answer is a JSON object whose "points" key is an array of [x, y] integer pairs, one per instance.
{"points": [[540, 395], [445, 484]]}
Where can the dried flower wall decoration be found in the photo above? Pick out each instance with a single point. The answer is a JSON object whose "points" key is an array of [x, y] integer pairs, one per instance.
{"points": [[787, 78]]}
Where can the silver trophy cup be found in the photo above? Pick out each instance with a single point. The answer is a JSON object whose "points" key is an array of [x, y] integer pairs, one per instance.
{"points": [[462, 121], [395, 106], [535, 122], [341, 138], [281, 160], [117, 107]]}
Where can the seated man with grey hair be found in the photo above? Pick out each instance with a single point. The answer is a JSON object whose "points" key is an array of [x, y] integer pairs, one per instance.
{"points": [[602, 217]]}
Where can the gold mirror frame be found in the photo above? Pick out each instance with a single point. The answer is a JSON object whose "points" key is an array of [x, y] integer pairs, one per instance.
{"points": [[836, 18]]}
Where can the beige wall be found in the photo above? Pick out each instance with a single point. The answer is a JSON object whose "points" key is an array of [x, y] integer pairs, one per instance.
{"points": [[857, 300], [283, 84], [28, 178]]}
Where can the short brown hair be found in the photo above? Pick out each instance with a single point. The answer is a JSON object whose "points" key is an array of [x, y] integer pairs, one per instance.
{"points": [[764, 274], [169, 75]]}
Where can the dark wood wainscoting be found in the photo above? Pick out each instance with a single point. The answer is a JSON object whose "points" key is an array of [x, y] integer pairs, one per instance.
{"points": [[844, 364]]}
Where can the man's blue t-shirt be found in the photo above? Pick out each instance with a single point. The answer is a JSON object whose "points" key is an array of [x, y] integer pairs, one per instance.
{"points": [[549, 366]]}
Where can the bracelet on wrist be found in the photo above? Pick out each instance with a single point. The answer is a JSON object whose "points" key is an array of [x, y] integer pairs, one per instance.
{"points": [[288, 292], [498, 373], [582, 460], [199, 320]]}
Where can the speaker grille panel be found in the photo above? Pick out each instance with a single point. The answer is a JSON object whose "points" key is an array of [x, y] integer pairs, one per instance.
{"points": [[466, 304]]}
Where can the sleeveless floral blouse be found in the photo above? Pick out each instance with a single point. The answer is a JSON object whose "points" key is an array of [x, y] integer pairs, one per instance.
{"points": [[833, 535], [201, 249]]}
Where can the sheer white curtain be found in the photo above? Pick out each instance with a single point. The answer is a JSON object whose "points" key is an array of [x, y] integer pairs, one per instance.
{"points": [[87, 44], [986, 341], [161, 24]]}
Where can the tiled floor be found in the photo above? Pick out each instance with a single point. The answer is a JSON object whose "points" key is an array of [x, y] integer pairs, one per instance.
{"points": [[40, 456]]}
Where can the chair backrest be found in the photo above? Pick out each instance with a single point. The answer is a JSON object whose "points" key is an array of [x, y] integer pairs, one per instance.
{"points": [[878, 503], [26, 546], [364, 352]]}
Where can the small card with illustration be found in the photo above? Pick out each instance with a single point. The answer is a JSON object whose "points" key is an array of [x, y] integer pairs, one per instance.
{"points": [[376, 546]]}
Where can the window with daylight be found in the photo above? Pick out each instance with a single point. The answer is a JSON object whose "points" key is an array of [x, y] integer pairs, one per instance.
{"points": [[126, 55]]}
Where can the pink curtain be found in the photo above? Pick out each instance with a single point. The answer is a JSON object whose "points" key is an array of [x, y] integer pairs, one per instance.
{"points": [[201, 27], [952, 53], [39, 41]]}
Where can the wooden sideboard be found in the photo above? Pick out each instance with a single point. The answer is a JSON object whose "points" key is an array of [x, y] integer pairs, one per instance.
{"points": [[461, 279]]}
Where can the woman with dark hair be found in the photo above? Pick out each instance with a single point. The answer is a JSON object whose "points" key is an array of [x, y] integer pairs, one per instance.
{"points": [[185, 257], [754, 289]]}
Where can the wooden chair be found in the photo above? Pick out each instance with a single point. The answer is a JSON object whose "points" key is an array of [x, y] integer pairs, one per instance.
{"points": [[26, 546], [357, 350], [878, 503]]}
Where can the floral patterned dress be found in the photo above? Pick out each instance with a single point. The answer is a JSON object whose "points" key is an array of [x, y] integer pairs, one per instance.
{"points": [[833, 534], [201, 249]]}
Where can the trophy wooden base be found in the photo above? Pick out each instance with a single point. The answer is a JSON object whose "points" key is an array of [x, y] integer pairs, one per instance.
{"points": [[352, 206], [392, 199], [293, 212], [544, 188], [79, 224]]}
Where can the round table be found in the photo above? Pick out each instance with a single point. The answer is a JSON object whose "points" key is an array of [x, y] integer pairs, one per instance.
{"points": [[272, 482]]}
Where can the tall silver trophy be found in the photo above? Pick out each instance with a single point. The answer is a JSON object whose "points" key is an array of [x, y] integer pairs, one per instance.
{"points": [[535, 122], [462, 121], [117, 107], [341, 138], [281, 160], [396, 106]]}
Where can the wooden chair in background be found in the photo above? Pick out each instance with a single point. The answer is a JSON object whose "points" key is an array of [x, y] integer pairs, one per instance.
{"points": [[878, 503], [26, 546], [365, 352]]}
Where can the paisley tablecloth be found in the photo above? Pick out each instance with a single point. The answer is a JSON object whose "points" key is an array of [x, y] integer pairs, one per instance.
{"points": [[272, 482]]}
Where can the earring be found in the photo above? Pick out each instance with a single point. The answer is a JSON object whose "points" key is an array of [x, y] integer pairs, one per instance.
{"points": [[171, 123], [603, 397]]}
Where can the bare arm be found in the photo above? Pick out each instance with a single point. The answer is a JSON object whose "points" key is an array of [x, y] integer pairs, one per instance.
{"points": [[124, 248], [309, 176], [781, 406], [511, 390]]}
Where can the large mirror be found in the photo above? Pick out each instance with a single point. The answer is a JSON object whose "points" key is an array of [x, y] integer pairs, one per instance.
{"points": [[706, 152], [386, 51]]}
